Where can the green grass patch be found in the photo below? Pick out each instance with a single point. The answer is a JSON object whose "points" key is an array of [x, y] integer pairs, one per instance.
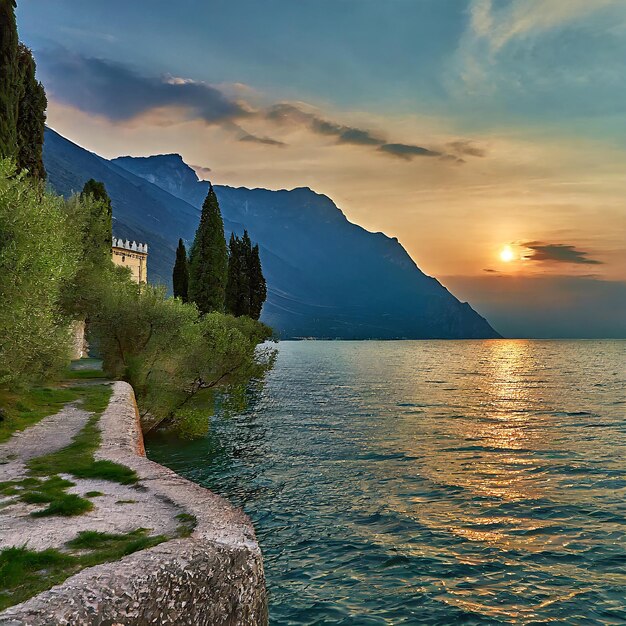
{"points": [[20, 410], [93, 494], [187, 524], [51, 492], [77, 458], [25, 573]]}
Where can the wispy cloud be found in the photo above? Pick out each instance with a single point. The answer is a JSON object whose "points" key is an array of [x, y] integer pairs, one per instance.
{"points": [[525, 18], [557, 253], [123, 95], [266, 141], [285, 113]]}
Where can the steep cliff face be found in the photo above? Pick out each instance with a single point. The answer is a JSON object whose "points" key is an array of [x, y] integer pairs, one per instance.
{"points": [[327, 277]]}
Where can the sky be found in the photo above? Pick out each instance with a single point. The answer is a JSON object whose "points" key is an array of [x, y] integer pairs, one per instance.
{"points": [[472, 130]]}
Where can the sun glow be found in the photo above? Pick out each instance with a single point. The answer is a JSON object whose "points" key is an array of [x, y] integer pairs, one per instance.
{"points": [[507, 254]]}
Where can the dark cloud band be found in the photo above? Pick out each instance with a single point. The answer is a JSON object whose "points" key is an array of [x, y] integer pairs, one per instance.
{"points": [[558, 253], [120, 94]]}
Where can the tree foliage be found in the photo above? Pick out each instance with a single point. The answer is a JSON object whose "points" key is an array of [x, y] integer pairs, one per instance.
{"points": [[90, 214], [208, 261], [246, 289], [9, 79], [180, 275], [37, 258], [258, 286], [97, 233], [22, 99], [171, 354], [31, 118], [238, 285]]}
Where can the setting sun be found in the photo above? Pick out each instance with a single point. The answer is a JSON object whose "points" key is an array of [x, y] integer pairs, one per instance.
{"points": [[507, 254]]}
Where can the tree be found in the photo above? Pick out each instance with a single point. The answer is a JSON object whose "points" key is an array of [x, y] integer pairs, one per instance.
{"points": [[31, 117], [97, 234], [208, 261], [180, 276], [9, 79], [238, 285], [246, 289], [258, 286], [37, 257], [90, 216]]}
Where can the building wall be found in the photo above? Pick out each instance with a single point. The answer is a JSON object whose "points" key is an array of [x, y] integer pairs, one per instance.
{"points": [[136, 261]]}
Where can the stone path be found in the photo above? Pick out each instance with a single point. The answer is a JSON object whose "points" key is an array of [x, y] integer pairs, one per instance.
{"points": [[121, 508], [50, 434]]}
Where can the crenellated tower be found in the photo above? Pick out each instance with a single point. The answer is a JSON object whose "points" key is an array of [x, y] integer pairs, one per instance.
{"points": [[132, 255]]}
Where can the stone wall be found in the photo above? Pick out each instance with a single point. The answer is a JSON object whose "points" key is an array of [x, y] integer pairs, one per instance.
{"points": [[214, 577], [80, 348]]}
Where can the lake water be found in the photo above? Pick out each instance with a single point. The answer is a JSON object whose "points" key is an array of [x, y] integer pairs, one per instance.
{"points": [[430, 482]]}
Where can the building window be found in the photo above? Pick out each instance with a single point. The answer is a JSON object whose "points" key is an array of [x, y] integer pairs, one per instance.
{"points": [[123, 259]]}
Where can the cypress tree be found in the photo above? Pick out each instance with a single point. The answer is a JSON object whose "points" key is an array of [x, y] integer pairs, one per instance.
{"points": [[232, 281], [208, 261], [238, 285], [180, 275], [31, 118], [98, 232], [9, 79], [258, 286]]}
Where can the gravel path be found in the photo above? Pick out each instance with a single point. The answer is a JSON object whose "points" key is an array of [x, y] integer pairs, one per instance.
{"points": [[120, 508], [50, 434]]}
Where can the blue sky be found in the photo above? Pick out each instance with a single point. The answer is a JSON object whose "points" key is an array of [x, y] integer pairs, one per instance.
{"points": [[459, 126]]}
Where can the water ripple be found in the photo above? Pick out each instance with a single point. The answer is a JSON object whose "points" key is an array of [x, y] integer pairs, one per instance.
{"points": [[431, 482]]}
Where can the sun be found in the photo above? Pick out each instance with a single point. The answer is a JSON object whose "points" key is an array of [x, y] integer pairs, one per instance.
{"points": [[507, 254]]}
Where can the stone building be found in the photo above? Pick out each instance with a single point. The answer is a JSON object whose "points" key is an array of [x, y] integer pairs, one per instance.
{"points": [[132, 255]]}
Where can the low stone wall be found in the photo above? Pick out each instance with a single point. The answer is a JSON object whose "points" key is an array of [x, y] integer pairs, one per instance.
{"points": [[214, 577]]}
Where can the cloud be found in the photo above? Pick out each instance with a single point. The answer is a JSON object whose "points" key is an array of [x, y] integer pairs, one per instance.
{"points": [[466, 147], [120, 94], [267, 141], [558, 253], [406, 151], [201, 171], [525, 18], [285, 113]]}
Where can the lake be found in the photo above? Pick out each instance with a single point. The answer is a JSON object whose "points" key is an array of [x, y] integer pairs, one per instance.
{"points": [[431, 482]]}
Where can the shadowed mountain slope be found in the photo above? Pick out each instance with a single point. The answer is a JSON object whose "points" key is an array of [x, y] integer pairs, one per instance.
{"points": [[326, 276]]}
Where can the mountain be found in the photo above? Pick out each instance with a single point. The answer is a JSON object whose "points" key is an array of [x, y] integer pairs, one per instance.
{"points": [[327, 277]]}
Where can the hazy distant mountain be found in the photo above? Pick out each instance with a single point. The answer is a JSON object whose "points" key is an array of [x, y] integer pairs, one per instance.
{"points": [[326, 276]]}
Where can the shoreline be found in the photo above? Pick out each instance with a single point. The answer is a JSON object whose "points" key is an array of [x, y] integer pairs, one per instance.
{"points": [[213, 576]]}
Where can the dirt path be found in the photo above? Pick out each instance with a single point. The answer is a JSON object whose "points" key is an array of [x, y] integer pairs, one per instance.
{"points": [[49, 435], [118, 508]]}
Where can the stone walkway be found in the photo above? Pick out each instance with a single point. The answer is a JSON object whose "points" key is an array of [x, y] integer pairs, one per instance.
{"points": [[120, 508]]}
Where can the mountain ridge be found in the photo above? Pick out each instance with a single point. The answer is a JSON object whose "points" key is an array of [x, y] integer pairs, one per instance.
{"points": [[327, 277]]}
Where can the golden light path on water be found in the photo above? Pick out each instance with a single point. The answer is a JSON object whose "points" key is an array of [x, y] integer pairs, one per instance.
{"points": [[433, 482]]}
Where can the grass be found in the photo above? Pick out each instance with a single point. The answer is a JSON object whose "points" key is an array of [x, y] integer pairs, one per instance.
{"points": [[25, 573], [70, 374], [187, 524], [51, 492], [29, 407], [77, 458], [45, 486], [23, 408]]}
